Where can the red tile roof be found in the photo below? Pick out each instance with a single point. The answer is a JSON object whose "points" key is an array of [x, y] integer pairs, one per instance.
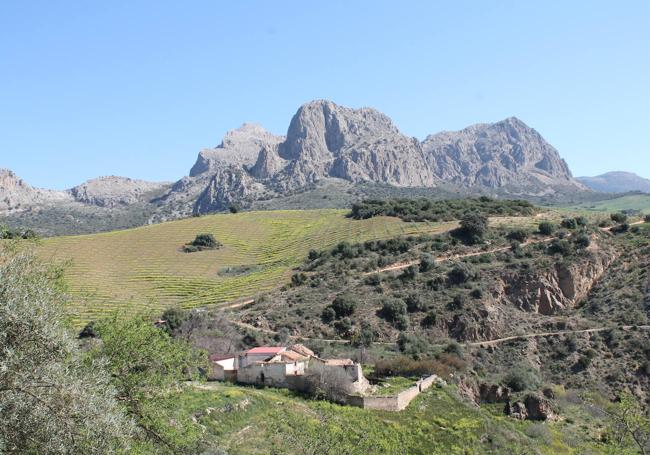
{"points": [[264, 350]]}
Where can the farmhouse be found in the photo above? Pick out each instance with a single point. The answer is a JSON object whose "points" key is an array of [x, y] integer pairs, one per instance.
{"points": [[280, 366]]}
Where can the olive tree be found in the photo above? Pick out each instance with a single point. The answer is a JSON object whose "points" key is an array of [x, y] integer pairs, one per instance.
{"points": [[53, 399]]}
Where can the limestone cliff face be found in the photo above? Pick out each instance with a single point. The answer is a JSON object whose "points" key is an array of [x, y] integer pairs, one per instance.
{"points": [[504, 154], [229, 185], [114, 191], [16, 195], [327, 140], [559, 288]]}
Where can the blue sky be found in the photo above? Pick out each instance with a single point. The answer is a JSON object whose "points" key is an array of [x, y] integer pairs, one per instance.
{"points": [[137, 88]]}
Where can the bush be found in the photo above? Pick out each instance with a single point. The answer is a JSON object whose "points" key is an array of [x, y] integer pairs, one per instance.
{"points": [[582, 240], [344, 305], [313, 255], [343, 326], [473, 228], [520, 379], [427, 262], [582, 221], [88, 331], [454, 348], [392, 308], [618, 217], [430, 319], [476, 293], [461, 273], [621, 228], [560, 246], [409, 273], [205, 241], [298, 279], [646, 218], [328, 314], [412, 345], [520, 235], [569, 223], [414, 303], [173, 319], [457, 303], [202, 242], [546, 228]]}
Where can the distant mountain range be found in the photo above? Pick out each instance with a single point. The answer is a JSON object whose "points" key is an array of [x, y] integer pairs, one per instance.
{"points": [[324, 141], [616, 182]]}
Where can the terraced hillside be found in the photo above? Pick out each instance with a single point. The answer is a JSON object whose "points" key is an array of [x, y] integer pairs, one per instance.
{"points": [[144, 268]]}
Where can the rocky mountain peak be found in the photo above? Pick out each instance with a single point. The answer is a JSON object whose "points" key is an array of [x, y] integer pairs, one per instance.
{"points": [[240, 146], [112, 191]]}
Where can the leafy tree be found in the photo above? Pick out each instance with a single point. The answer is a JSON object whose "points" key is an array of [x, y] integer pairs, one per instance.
{"points": [[53, 400], [473, 227], [581, 221], [234, 208], [328, 314], [88, 331], [618, 217], [461, 273], [629, 425], [560, 246], [174, 318], [430, 319], [414, 303], [522, 378], [647, 219], [546, 228], [582, 240], [205, 241], [146, 366], [392, 308], [344, 305]]}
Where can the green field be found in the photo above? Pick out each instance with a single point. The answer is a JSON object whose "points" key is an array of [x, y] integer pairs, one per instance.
{"points": [[144, 268], [630, 202], [246, 420]]}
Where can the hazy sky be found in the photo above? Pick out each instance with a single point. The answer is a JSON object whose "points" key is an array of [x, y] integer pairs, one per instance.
{"points": [[137, 88]]}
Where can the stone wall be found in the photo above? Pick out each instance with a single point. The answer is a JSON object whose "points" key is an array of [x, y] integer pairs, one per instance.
{"points": [[397, 402]]}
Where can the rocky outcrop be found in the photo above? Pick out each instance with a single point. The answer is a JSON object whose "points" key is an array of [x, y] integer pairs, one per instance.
{"points": [[561, 287], [493, 393], [239, 147], [616, 182], [533, 407], [16, 195], [506, 154], [113, 191], [229, 185], [328, 141]]}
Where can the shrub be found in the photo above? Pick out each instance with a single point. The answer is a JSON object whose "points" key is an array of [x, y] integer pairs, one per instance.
{"points": [[205, 241], [546, 228], [618, 217], [344, 305], [298, 279], [646, 218], [328, 314], [454, 348], [520, 235], [392, 308], [569, 223], [582, 240], [521, 378], [461, 273], [234, 208], [173, 319], [414, 303], [88, 331], [582, 221], [343, 326], [409, 273], [401, 322], [621, 228], [373, 280], [473, 228], [560, 246], [427, 262], [202, 242], [313, 255], [476, 293], [412, 345], [430, 319], [457, 303]]}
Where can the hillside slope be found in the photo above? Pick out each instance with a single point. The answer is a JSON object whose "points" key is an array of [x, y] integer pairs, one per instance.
{"points": [[616, 182], [144, 269]]}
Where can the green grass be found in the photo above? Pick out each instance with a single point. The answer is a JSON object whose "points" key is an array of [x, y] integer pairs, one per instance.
{"points": [[633, 201], [246, 420], [145, 269]]}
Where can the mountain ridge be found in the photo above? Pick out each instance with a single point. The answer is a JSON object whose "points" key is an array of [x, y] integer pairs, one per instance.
{"points": [[617, 182]]}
